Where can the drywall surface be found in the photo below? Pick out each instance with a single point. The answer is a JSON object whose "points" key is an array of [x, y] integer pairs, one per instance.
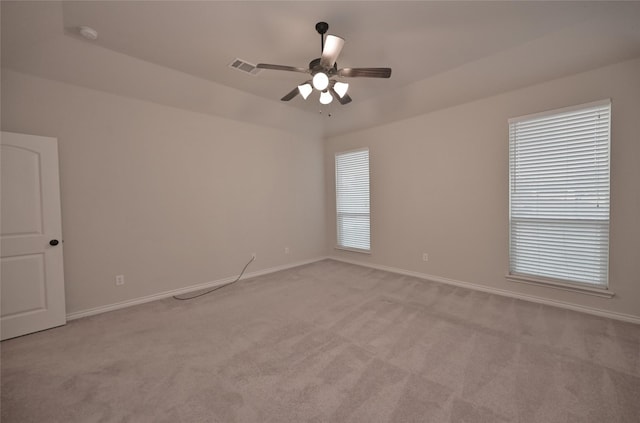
{"points": [[167, 197], [439, 184], [36, 42]]}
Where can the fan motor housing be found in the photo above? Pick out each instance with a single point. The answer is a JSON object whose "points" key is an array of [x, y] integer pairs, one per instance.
{"points": [[314, 67]]}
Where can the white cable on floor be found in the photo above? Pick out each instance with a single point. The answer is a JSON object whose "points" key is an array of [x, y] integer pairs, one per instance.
{"points": [[217, 287]]}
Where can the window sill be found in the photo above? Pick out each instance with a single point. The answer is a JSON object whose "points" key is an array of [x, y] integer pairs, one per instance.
{"points": [[353, 250], [598, 292]]}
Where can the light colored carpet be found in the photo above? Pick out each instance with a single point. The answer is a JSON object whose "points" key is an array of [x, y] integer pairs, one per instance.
{"points": [[328, 342]]}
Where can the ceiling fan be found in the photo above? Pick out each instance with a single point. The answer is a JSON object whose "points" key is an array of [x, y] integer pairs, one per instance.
{"points": [[324, 69]]}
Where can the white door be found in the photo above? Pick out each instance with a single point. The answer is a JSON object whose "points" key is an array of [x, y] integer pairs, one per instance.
{"points": [[32, 278]]}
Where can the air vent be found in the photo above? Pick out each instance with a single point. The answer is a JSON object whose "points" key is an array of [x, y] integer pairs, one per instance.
{"points": [[244, 66]]}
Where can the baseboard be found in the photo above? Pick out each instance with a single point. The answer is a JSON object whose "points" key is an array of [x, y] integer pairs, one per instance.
{"points": [[503, 292], [166, 294]]}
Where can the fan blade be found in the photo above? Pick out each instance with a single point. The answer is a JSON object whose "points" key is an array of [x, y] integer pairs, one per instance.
{"points": [[365, 72], [345, 100], [332, 48], [294, 92], [342, 100], [281, 68]]}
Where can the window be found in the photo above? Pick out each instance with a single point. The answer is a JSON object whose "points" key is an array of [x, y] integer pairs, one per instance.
{"points": [[352, 200], [559, 195]]}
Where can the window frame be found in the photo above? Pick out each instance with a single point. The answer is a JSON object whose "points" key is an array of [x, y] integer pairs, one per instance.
{"points": [[338, 246], [602, 290]]}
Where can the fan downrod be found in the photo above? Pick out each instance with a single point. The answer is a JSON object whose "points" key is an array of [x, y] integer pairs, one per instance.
{"points": [[322, 28]]}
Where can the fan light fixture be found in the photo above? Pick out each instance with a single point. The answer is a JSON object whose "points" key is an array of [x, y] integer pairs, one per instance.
{"points": [[326, 97], [324, 70], [320, 81], [305, 90]]}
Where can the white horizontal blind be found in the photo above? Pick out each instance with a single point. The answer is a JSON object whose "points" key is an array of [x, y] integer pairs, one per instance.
{"points": [[559, 194], [352, 199]]}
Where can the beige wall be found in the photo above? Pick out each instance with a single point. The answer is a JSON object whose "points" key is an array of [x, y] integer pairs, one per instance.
{"points": [[172, 198], [439, 185], [167, 197]]}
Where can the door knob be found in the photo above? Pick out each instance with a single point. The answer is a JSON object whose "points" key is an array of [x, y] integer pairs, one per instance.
{"points": [[54, 242]]}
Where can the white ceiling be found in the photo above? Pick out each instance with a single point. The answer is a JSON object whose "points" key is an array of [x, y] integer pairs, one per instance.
{"points": [[442, 53]]}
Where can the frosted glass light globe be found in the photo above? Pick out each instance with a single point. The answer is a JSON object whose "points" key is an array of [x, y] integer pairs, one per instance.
{"points": [[320, 81], [341, 88], [305, 90], [326, 97]]}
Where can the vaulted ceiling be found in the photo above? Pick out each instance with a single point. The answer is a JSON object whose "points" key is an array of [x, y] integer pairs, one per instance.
{"points": [[442, 53]]}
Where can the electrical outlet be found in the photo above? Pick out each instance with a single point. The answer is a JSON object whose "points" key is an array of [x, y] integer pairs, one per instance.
{"points": [[425, 257], [286, 250], [119, 280]]}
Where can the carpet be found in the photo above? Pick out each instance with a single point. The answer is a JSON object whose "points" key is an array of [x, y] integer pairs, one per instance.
{"points": [[328, 342]]}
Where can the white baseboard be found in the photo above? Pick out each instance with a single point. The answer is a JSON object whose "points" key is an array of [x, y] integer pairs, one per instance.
{"points": [[180, 291], [503, 292]]}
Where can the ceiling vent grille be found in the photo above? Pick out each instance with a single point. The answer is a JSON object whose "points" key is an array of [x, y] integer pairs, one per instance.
{"points": [[244, 66]]}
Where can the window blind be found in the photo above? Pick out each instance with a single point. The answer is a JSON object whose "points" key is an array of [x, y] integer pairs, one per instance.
{"points": [[352, 200], [559, 194]]}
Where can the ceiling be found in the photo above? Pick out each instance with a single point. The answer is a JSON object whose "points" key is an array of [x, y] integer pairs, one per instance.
{"points": [[442, 53]]}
